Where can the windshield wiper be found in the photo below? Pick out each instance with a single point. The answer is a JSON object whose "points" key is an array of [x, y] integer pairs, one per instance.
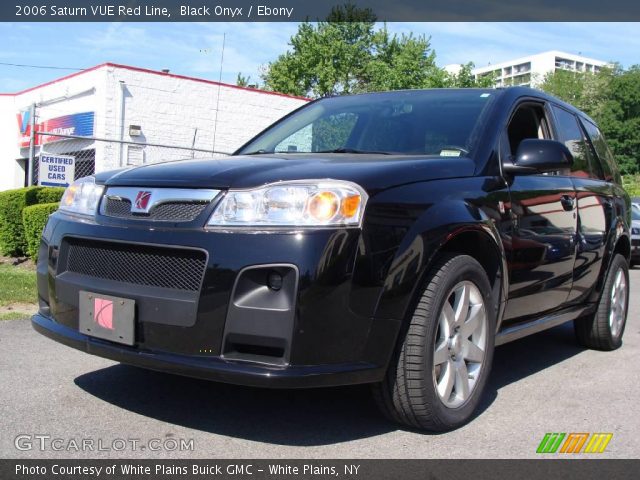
{"points": [[335, 150], [264, 152], [353, 150], [257, 152]]}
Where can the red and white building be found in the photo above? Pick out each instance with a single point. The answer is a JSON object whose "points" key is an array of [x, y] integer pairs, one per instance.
{"points": [[122, 103]]}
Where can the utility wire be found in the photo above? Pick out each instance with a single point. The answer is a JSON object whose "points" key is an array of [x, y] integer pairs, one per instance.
{"points": [[40, 66], [215, 121]]}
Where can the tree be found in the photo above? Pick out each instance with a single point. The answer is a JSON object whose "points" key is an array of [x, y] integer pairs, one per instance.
{"points": [[466, 79], [326, 59], [401, 62], [566, 85], [345, 54], [612, 98], [620, 118], [242, 81]]}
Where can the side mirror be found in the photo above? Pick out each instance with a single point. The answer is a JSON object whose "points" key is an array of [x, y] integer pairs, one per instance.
{"points": [[538, 156]]}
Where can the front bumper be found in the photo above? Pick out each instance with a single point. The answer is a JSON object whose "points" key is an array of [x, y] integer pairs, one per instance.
{"points": [[635, 247], [325, 334], [217, 369]]}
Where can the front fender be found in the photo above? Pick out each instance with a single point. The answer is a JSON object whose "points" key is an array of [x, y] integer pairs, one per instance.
{"points": [[407, 227], [435, 228]]}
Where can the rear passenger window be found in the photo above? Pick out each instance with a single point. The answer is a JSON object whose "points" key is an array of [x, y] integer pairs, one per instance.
{"points": [[605, 157], [571, 135]]}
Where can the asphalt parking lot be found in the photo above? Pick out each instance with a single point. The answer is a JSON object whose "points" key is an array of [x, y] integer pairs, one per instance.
{"points": [[544, 383]]}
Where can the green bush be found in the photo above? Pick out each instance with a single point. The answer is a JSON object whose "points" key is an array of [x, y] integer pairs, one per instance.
{"points": [[12, 202], [49, 194], [12, 241], [631, 184], [35, 218]]}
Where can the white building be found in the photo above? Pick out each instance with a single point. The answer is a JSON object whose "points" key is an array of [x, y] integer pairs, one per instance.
{"points": [[530, 70], [120, 103]]}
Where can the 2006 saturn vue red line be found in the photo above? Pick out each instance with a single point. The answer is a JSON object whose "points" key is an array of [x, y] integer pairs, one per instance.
{"points": [[390, 238]]}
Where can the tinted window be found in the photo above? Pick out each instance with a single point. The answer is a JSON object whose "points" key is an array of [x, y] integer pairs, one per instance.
{"points": [[328, 133], [599, 143], [527, 122], [635, 213], [416, 122], [571, 135]]}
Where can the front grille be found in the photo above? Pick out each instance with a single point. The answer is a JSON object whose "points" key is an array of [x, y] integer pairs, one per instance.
{"points": [[635, 243], [163, 212], [117, 208], [178, 269]]}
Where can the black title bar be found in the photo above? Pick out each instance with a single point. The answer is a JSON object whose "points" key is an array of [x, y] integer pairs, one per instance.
{"points": [[547, 469], [313, 10]]}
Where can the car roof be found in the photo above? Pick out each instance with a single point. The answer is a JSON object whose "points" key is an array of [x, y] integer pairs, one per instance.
{"points": [[517, 92], [507, 93]]}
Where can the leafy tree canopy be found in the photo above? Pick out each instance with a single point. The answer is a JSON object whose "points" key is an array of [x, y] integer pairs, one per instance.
{"points": [[612, 98], [242, 81], [346, 54]]}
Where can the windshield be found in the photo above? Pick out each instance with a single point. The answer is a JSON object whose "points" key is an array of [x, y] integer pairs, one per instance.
{"points": [[635, 213], [419, 122]]}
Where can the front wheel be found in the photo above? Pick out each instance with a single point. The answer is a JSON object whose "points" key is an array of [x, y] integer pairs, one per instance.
{"points": [[442, 363], [603, 330]]}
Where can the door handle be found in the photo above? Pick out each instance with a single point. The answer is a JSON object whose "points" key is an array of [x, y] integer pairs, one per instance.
{"points": [[568, 202]]}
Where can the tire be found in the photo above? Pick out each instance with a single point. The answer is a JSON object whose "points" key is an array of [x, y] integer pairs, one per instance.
{"points": [[409, 393], [603, 329]]}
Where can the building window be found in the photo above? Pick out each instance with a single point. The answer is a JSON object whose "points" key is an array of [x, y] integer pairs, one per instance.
{"points": [[522, 80], [565, 64], [522, 68]]}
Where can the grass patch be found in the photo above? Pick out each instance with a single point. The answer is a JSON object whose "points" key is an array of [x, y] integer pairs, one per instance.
{"points": [[13, 316], [17, 285]]}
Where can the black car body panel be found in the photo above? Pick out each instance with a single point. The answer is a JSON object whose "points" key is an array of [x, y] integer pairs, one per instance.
{"points": [[545, 242], [373, 172]]}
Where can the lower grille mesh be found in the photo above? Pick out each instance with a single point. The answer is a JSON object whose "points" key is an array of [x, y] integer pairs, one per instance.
{"points": [[178, 269]]}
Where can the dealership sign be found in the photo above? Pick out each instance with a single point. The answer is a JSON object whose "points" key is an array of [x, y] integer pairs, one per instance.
{"points": [[56, 170], [80, 124]]}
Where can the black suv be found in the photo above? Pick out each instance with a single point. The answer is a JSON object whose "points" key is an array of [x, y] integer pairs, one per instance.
{"points": [[389, 238]]}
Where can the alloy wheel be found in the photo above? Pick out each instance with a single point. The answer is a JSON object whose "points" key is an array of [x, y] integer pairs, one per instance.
{"points": [[618, 308], [460, 344]]}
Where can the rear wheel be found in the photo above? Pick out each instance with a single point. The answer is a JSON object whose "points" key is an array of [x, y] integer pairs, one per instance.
{"points": [[603, 330], [443, 359]]}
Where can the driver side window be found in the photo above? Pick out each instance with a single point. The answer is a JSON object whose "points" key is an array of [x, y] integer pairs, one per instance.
{"points": [[529, 121]]}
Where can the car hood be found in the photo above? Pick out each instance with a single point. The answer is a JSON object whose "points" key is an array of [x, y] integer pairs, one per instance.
{"points": [[372, 172]]}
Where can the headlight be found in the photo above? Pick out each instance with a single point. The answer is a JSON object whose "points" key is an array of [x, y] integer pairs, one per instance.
{"points": [[82, 197], [635, 231], [305, 203]]}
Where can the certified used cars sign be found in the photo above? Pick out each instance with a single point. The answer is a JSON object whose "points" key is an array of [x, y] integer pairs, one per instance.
{"points": [[56, 170]]}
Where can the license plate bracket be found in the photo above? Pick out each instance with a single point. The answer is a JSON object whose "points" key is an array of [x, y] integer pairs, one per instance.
{"points": [[107, 317]]}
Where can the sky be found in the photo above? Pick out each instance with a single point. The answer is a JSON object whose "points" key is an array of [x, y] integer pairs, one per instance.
{"points": [[194, 49]]}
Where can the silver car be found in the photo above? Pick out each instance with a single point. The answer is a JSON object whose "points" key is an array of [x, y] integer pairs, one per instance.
{"points": [[635, 234]]}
